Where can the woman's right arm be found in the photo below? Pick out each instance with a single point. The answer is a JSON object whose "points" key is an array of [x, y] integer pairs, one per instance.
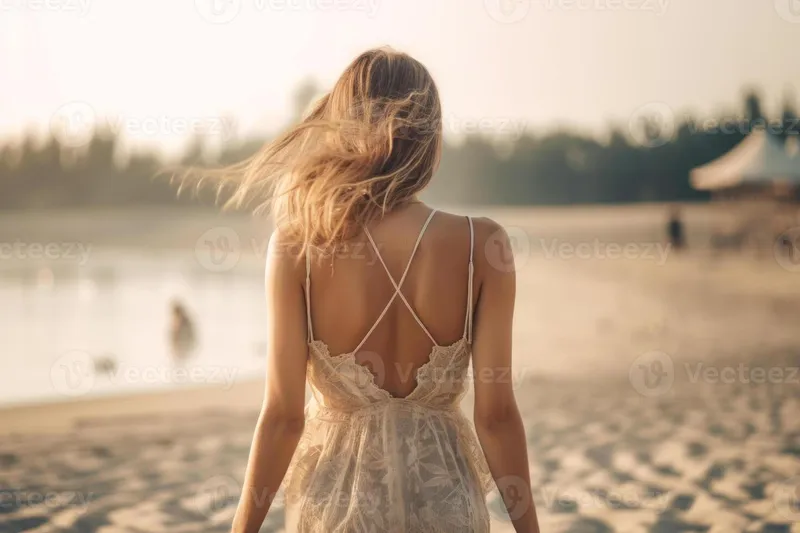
{"points": [[497, 419], [281, 422]]}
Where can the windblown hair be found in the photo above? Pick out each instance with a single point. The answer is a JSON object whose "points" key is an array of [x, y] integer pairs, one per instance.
{"points": [[366, 147]]}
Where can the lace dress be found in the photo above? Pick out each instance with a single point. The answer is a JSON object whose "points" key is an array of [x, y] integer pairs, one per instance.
{"points": [[370, 462]]}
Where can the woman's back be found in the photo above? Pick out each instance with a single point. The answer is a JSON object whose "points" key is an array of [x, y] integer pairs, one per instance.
{"points": [[385, 436], [351, 289]]}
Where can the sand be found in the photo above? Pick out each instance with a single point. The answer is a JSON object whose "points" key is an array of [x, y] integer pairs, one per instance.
{"points": [[603, 458]]}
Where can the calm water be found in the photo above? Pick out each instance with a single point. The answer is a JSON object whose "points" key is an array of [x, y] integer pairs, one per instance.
{"points": [[58, 320]]}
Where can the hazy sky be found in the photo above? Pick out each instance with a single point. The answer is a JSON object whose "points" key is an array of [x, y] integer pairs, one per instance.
{"points": [[158, 67]]}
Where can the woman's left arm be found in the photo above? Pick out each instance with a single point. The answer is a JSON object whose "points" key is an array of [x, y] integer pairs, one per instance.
{"points": [[281, 421]]}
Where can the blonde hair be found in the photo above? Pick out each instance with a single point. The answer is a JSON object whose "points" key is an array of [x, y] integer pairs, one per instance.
{"points": [[368, 146]]}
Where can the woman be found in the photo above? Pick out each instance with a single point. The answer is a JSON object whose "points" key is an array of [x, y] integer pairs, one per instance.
{"points": [[385, 345]]}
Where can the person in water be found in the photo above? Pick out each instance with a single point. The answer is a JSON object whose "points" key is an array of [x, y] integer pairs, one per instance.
{"points": [[182, 336], [675, 230]]}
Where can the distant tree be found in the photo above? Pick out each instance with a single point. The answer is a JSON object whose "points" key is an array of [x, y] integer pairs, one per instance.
{"points": [[303, 96], [791, 125], [753, 111]]}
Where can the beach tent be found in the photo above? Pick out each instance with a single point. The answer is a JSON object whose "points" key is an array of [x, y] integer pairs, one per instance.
{"points": [[793, 147], [760, 159]]}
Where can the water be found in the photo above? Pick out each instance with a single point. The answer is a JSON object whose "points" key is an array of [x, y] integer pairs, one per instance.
{"points": [[56, 319]]}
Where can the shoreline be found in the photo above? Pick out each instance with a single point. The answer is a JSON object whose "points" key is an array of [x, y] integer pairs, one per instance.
{"points": [[61, 416]]}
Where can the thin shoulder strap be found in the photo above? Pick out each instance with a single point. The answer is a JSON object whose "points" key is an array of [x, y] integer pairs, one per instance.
{"points": [[397, 285], [468, 319], [411, 257], [308, 296]]}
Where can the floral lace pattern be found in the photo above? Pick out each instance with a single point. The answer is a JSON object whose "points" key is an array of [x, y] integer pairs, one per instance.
{"points": [[369, 462]]}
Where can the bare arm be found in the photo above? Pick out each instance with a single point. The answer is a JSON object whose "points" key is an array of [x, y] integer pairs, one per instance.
{"points": [[497, 419], [280, 423]]}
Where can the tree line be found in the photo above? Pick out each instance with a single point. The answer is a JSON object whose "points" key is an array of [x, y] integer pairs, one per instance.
{"points": [[647, 160]]}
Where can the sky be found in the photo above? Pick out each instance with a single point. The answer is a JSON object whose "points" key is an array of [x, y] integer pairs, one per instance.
{"points": [[156, 70]]}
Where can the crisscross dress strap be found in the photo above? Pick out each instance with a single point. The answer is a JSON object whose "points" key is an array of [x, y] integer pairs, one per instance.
{"points": [[397, 285], [468, 319], [308, 296]]}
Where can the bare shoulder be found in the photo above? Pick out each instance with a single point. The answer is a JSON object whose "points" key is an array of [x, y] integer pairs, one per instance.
{"points": [[492, 252], [487, 230], [285, 257], [494, 255], [484, 225]]}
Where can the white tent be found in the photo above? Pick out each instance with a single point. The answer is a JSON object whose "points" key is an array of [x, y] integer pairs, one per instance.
{"points": [[759, 159], [793, 147]]}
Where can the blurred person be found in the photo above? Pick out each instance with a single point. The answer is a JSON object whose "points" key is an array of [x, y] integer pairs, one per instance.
{"points": [[789, 247], [385, 347], [105, 364], [182, 338], [675, 231]]}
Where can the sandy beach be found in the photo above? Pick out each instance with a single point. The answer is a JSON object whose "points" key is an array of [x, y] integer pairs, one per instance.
{"points": [[657, 397], [603, 460]]}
